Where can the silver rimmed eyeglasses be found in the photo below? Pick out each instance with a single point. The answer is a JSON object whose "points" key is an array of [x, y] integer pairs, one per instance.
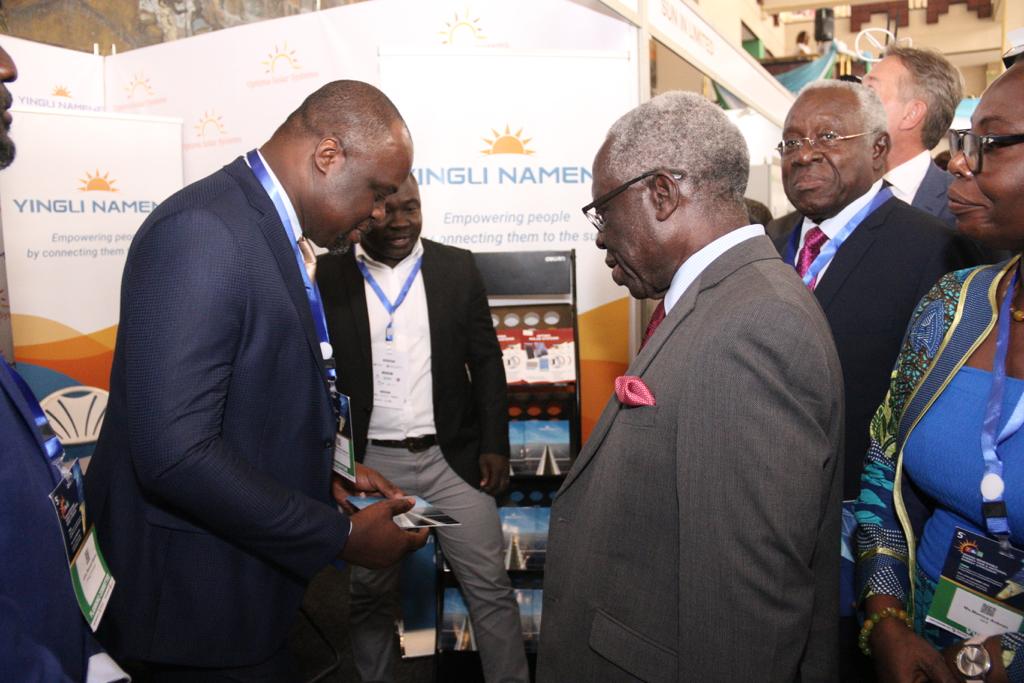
{"points": [[822, 141], [593, 210]]}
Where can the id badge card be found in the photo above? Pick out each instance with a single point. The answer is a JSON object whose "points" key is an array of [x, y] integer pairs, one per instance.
{"points": [[344, 450], [90, 577], [390, 379], [981, 589]]}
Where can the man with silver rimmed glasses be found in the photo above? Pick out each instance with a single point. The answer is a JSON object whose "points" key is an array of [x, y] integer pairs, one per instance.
{"points": [[868, 257], [684, 543]]}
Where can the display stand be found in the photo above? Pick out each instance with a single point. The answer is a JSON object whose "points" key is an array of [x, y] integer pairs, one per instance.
{"points": [[533, 309]]}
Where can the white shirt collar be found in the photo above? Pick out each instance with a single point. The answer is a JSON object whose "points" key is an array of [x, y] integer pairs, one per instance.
{"points": [[698, 262], [289, 209], [906, 178], [417, 251], [832, 226]]}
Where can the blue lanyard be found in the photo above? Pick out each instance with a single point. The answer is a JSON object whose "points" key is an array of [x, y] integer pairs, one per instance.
{"points": [[992, 485], [52, 449], [316, 305], [832, 246], [389, 333]]}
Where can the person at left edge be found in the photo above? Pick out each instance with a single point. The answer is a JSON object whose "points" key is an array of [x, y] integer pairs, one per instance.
{"points": [[211, 482], [441, 438], [43, 637]]}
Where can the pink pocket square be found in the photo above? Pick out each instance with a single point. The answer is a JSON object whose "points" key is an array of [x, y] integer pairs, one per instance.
{"points": [[632, 391]]}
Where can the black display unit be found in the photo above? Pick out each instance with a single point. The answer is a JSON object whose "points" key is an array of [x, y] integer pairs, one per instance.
{"points": [[533, 308]]}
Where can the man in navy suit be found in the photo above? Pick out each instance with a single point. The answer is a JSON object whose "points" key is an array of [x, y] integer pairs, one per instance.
{"points": [[868, 257], [45, 638], [211, 484], [920, 90]]}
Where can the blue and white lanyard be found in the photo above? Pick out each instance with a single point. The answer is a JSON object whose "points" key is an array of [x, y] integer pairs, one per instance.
{"points": [[53, 450], [316, 305], [832, 246], [992, 484], [389, 332]]}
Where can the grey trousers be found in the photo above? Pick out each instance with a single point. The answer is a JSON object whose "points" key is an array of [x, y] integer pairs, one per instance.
{"points": [[474, 551]]}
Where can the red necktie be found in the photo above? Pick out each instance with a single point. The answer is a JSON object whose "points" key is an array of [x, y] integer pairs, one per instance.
{"points": [[814, 240], [656, 318]]}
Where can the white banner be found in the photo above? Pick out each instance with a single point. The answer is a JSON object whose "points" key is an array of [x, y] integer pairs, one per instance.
{"points": [[67, 228], [505, 140]]}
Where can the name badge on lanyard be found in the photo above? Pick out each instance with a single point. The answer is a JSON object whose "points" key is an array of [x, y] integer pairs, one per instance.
{"points": [[344, 460], [91, 580]]}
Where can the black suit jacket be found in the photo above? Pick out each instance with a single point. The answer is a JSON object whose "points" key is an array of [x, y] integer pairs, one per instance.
{"points": [[868, 294], [210, 483], [470, 403]]}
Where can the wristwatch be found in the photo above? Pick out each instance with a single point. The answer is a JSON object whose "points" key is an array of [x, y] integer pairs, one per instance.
{"points": [[973, 661]]}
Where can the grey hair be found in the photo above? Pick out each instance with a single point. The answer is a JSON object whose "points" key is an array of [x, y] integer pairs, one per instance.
{"points": [[684, 131], [872, 111], [936, 82]]}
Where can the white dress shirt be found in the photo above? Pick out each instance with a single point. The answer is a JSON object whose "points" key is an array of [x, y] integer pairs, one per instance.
{"points": [[832, 226], [906, 178], [696, 264], [411, 343]]}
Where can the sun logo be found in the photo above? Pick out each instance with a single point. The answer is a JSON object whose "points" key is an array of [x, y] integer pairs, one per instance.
{"points": [[968, 548], [211, 119], [61, 91], [507, 142], [138, 82], [461, 26], [285, 55], [94, 182]]}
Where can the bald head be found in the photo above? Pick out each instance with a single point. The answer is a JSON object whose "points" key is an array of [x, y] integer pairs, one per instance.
{"points": [[356, 113]]}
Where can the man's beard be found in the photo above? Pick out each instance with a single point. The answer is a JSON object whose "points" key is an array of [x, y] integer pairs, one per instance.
{"points": [[340, 246]]}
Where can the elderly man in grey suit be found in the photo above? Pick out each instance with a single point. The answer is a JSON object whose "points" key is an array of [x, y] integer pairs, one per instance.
{"points": [[695, 537]]}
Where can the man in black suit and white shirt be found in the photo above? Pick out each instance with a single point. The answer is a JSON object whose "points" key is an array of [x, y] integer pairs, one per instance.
{"points": [[410, 317], [868, 257]]}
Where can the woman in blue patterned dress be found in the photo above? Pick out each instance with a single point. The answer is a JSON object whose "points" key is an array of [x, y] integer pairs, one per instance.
{"points": [[923, 472]]}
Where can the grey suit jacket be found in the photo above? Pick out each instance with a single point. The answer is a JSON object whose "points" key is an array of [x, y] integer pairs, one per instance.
{"points": [[696, 540], [931, 195]]}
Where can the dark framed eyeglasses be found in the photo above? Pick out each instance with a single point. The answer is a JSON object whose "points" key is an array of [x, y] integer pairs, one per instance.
{"points": [[593, 210], [974, 146], [822, 141]]}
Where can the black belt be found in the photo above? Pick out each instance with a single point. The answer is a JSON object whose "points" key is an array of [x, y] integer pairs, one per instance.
{"points": [[414, 444]]}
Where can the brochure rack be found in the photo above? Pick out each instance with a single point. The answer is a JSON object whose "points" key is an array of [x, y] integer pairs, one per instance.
{"points": [[533, 309]]}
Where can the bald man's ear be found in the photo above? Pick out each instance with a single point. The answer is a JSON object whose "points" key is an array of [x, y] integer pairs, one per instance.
{"points": [[329, 155], [666, 195]]}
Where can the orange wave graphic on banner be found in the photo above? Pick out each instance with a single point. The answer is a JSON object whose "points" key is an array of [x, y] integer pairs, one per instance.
{"points": [[604, 355], [48, 343]]}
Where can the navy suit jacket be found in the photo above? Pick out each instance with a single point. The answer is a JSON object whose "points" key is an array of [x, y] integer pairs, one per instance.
{"points": [[470, 409], [210, 483], [44, 636], [868, 294], [931, 195]]}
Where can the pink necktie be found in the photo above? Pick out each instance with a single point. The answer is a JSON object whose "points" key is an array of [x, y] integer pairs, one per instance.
{"points": [[814, 240], [652, 325], [308, 258]]}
